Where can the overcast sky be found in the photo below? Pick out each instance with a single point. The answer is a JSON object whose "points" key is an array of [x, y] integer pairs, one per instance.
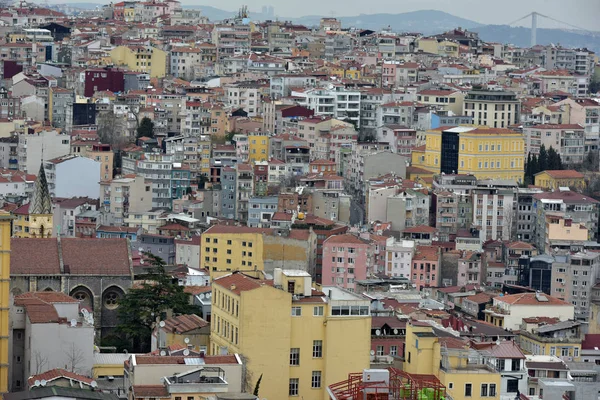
{"points": [[582, 13]]}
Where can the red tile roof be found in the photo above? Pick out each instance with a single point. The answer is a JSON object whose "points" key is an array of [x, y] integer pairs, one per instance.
{"points": [[563, 174], [345, 238], [530, 299], [184, 323], [505, 349], [238, 283], [156, 391], [58, 373], [39, 305], [79, 257]]}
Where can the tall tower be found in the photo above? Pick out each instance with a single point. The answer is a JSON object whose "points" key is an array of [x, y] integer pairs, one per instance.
{"points": [[40, 208], [534, 16], [5, 232]]}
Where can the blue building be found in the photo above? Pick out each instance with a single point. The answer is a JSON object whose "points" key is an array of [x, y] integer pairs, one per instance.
{"points": [[260, 211], [117, 232], [228, 192], [180, 180]]}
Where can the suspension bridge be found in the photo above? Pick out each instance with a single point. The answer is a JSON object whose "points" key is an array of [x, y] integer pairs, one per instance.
{"points": [[534, 22]]}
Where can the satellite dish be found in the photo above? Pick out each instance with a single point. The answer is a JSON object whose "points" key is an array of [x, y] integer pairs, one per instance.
{"points": [[73, 322], [378, 332], [94, 384], [163, 353], [395, 331], [161, 324], [43, 382], [186, 352], [372, 352], [186, 340], [36, 383]]}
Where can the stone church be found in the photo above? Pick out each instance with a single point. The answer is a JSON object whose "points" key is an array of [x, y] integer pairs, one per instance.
{"points": [[95, 271]]}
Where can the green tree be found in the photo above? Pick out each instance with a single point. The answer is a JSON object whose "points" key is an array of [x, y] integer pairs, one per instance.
{"points": [[554, 160], [590, 162], [534, 169], [143, 306], [542, 160], [146, 128], [257, 387], [528, 166]]}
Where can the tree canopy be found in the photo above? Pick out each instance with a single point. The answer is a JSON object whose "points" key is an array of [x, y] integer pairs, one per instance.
{"points": [[146, 128], [546, 160], [141, 308]]}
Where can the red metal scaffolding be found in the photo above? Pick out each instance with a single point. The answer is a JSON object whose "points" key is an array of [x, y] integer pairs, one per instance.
{"points": [[402, 386]]}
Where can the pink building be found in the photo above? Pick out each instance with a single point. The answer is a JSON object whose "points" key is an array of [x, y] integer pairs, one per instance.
{"points": [[346, 258], [426, 267], [469, 269]]}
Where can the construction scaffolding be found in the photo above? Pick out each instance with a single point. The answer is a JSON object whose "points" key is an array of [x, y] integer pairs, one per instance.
{"points": [[388, 384]]}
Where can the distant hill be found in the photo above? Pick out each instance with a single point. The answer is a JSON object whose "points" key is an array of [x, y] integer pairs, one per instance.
{"points": [[522, 36], [425, 21]]}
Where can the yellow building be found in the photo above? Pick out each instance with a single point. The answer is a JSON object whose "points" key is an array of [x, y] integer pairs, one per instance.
{"points": [[226, 249], [298, 339], [109, 364], [34, 219], [444, 99], [182, 331], [555, 179], [443, 48], [102, 153], [463, 370], [562, 340], [486, 153], [5, 220], [129, 14], [142, 59], [258, 147]]}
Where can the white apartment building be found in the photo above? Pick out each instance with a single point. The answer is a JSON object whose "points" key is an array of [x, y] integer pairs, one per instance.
{"points": [[335, 102], [246, 96], [73, 176], [398, 258], [46, 145], [182, 61]]}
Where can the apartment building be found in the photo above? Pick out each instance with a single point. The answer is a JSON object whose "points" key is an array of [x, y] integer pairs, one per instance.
{"points": [[141, 58], [46, 328], [394, 73], [426, 267], [335, 102], [493, 214], [29, 150], [443, 99], [567, 139], [122, 196], [346, 259], [508, 311], [486, 153], [157, 169], [226, 249], [182, 60], [573, 280], [304, 337], [398, 258], [496, 109], [563, 217], [246, 96]]}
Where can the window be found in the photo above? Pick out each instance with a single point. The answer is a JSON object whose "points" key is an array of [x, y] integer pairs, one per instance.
{"points": [[296, 311], [468, 389], [512, 385], [294, 382], [295, 356], [316, 380], [393, 350], [484, 390], [492, 392], [317, 348], [379, 351], [318, 311]]}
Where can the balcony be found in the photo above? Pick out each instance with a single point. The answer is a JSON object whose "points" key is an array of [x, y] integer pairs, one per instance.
{"points": [[491, 309]]}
